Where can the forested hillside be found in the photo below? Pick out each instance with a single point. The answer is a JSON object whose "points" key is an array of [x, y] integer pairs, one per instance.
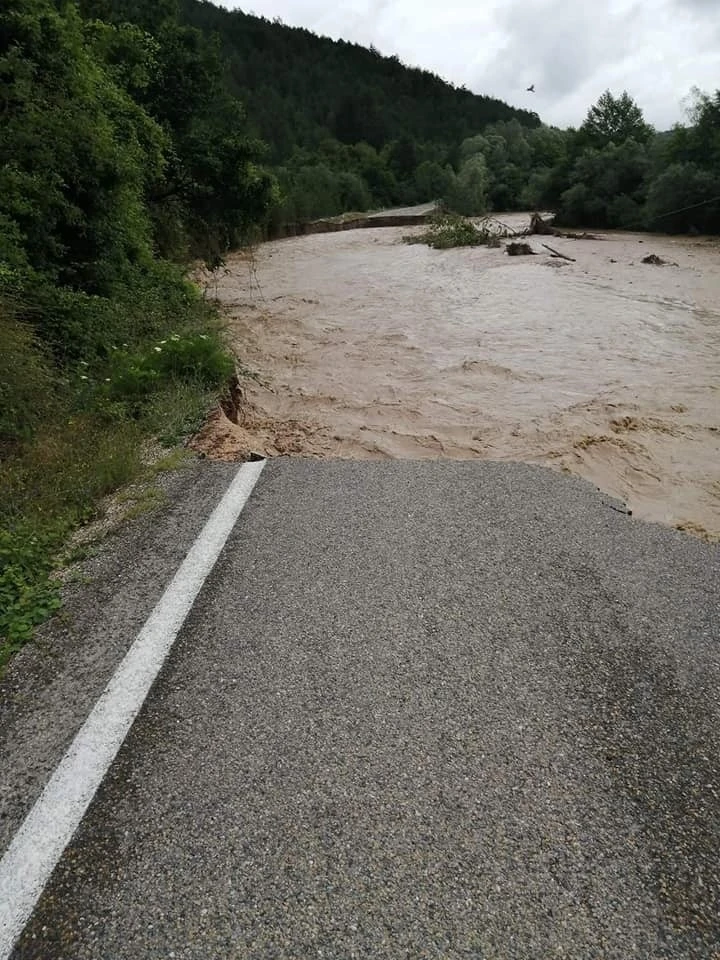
{"points": [[347, 128], [300, 88]]}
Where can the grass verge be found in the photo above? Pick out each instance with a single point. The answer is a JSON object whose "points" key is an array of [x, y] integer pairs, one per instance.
{"points": [[72, 434]]}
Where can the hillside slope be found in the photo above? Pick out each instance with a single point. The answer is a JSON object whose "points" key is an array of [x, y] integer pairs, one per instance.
{"points": [[300, 88]]}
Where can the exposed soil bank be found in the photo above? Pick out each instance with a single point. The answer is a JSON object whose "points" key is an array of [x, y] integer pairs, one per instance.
{"points": [[400, 217], [605, 367]]}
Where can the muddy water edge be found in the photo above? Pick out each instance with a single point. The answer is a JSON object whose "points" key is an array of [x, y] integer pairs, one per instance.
{"points": [[606, 367]]}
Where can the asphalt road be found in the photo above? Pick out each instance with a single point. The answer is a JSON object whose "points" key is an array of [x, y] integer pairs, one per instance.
{"points": [[421, 710]]}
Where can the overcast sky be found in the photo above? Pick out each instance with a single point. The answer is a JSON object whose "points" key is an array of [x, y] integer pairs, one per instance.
{"points": [[571, 50]]}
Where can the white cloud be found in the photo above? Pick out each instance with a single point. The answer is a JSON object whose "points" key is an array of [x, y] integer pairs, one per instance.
{"points": [[571, 51]]}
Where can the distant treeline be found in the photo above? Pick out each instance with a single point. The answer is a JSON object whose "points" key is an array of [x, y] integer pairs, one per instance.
{"points": [[349, 129]]}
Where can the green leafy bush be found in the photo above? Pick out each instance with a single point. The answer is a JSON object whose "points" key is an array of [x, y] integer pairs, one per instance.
{"points": [[450, 230], [117, 143], [27, 594]]}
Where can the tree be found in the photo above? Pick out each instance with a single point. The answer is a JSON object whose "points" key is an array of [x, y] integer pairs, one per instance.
{"points": [[580, 207], [77, 154], [212, 189], [369, 164], [359, 118], [472, 145], [615, 119], [533, 195], [608, 187], [316, 192], [402, 157], [548, 146], [148, 16], [468, 193], [516, 150], [354, 193], [700, 142], [325, 85], [614, 170], [432, 181], [683, 186]]}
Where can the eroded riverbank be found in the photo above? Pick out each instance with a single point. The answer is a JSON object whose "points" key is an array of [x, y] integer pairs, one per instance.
{"points": [[609, 368]]}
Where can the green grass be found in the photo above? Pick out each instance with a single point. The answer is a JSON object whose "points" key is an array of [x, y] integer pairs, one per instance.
{"points": [[72, 435], [48, 488]]}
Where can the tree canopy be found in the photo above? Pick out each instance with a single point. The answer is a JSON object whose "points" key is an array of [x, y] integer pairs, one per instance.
{"points": [[615, 120]]}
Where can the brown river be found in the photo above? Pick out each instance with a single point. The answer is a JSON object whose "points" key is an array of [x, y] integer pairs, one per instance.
{"points": [[606, 367]]}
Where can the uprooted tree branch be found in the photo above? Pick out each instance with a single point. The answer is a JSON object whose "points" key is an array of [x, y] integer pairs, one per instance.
{"points": [[451, 230], [546, 229]]}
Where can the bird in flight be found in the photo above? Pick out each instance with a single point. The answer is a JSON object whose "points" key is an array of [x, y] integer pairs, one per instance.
{"points": [[531, 88]]}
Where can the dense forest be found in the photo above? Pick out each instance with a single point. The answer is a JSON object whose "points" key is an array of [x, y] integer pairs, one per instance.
{"points": [[137, 137], [347, 128]]}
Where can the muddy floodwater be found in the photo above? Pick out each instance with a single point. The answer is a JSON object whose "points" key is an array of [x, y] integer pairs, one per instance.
{"points": [[607, 367]]}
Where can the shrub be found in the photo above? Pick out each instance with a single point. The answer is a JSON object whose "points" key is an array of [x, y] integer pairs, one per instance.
{"points": [[45, 490], [450, 230], [27, 595], [28, 386]]}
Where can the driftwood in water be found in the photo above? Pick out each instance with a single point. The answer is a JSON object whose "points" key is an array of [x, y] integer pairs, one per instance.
{"points": [[545, 229], [519, 250], [498, 228], [556, 253], [542, 227], [581, 236], [658, 261]]}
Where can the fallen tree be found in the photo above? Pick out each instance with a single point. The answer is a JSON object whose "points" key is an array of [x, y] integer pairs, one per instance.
{"points": [[556, 253], [541, 227], [450, 230], [517, 249], [546, 229]]}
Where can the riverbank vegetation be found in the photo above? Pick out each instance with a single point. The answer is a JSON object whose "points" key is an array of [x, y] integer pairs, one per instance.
{"points": [[449, 230], [137, 138]]}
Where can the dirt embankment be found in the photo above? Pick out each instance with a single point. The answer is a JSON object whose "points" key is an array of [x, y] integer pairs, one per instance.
{"points": [[401, 217]]}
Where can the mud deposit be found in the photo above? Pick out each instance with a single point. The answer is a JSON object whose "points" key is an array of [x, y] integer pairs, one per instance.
{"points": [[608, 367]]}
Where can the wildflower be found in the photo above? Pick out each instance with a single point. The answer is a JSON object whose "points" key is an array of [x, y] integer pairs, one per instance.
{"points": [[83, 377], [204, 336], [83, 363], [163, 341], [107, 379], [157, 349]]}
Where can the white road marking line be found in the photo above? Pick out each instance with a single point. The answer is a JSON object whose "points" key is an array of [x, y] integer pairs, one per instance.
{"points": [[48, 828]]}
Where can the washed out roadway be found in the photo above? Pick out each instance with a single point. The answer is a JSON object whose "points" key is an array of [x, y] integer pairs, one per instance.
{"points": [[422, 710]]}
